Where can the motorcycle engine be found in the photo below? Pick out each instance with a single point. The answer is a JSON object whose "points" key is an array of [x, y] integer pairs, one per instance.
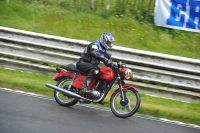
{"points": [[96, 94]]}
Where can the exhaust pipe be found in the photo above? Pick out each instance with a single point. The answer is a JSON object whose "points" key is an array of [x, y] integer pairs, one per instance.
{"points": [[66, 92]]}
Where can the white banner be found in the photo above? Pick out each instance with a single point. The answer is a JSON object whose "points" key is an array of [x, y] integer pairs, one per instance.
{"points": [[178, 14]]}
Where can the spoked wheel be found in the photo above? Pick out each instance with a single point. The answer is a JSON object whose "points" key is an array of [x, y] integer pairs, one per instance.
{"points": [[125, 108], [61, 98]]}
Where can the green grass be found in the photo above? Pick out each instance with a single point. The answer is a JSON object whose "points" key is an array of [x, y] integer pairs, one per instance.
{"points": [[153, 106], [29, 82], [44, 17]]}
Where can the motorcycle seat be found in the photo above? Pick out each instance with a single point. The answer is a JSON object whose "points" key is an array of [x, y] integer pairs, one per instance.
{"points": [[72, 67]]}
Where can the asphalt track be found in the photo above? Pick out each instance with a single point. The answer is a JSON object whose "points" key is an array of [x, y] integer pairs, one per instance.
{"points": [[29, 113]]}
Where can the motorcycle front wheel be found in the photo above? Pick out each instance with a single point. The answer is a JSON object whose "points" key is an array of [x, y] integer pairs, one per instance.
{"points": [[127, 108], [61, 98]]}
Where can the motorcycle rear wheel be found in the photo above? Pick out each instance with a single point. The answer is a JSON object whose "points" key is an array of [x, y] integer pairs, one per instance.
{"points": [[61, 98], [127, 108]]}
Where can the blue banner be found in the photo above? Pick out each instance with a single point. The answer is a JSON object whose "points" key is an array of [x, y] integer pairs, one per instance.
{"points": [[178, 14]]}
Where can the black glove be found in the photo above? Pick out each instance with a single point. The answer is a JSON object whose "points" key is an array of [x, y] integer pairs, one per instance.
{"points": [[107, 55], [114, 66], [108, 62]]}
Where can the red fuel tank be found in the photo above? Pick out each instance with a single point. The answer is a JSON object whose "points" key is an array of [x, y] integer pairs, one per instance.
{"points": [[106, 74]]}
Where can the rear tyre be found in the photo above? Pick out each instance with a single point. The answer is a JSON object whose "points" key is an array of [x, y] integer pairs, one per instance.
{"points": [[63, 99], [127, 108]]}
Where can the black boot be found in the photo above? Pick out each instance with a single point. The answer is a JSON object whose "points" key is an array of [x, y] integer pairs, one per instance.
{"points": [[86, 84], [84, 87], [85, 91]]}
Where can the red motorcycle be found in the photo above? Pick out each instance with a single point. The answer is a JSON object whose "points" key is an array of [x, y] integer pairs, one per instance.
{"points": [[124, 101]]}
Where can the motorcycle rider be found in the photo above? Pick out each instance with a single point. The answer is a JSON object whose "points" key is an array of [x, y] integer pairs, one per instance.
{"points": [[95, 52]]}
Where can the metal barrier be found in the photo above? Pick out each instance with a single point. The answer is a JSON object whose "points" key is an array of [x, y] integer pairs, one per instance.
{"points": [[155, 74]]}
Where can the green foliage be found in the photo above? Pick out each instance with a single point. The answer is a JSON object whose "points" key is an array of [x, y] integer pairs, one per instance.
{"points": [[120, 7], [125, 19]]}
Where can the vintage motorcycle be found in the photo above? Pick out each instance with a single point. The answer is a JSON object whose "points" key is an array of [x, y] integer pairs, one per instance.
{"points": [[124, 101]]}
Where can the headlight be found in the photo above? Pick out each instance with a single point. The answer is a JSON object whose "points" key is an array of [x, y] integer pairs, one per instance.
{"points": [[128, 74]]}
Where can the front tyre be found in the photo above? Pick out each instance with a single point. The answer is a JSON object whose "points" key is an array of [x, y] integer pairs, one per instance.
{"points": [[127, 108], [61, 98]]}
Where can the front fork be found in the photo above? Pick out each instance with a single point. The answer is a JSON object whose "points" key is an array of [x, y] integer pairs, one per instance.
{"points": [[119, 81]]}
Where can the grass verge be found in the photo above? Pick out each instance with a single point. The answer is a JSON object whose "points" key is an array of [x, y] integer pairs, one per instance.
{"points": [[154, 106], [53, 19]]}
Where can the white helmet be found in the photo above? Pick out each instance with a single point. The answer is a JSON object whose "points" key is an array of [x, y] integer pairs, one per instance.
{"points": [[107, 40]]}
